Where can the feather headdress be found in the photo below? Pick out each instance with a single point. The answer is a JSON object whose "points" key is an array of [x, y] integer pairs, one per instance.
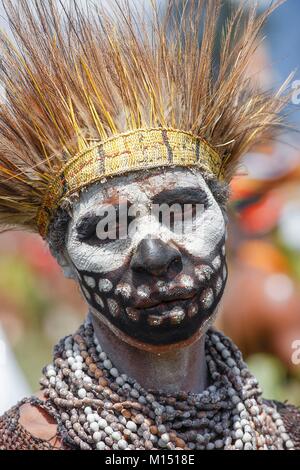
{"points": [[89, 92]]}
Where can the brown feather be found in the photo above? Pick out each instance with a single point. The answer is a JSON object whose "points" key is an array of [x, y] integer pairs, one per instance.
{"points": [[74, 76]]}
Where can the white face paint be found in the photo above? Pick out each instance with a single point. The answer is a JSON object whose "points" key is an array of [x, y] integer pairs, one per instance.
{"points": [[208, 228], [157, 278]]}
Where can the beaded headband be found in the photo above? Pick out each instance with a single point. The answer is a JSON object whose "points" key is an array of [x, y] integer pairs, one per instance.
{"points": [[130, 151]]}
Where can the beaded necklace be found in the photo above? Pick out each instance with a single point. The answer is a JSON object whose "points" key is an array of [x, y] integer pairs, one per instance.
{"points": [[99, 408]]}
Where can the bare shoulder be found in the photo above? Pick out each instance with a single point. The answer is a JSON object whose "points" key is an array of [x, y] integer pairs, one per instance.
{"points": [[38, 422], [28, 425]]}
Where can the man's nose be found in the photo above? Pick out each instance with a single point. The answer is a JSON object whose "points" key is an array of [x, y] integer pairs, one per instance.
{"points": [[155, 257]]}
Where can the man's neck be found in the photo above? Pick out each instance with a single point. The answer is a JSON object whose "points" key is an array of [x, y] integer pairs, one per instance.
{"points": [[178, 370]]}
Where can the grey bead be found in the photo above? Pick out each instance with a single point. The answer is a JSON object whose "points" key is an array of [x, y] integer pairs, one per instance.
{"points": [[210, 446], [162, 443], [122, 444], [219, 444]]}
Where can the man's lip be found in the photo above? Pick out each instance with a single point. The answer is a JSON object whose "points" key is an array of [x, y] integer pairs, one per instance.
{"points": [[164, 301]]}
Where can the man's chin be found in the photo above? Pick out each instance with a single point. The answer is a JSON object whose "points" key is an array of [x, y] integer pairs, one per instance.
{"points": [[158, 340]]}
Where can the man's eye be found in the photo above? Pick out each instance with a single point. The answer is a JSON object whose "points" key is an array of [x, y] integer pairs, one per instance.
{"points": [[101, 233], [89, 233], [182, 212]]}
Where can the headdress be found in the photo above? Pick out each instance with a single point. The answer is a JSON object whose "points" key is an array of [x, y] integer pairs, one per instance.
{"points": [[90, 94]]}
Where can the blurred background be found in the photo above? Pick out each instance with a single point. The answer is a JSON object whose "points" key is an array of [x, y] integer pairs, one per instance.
{"points": [[261, 306]]}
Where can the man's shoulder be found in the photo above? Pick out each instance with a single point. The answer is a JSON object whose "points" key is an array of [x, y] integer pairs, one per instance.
{"points": [[28, 425]]}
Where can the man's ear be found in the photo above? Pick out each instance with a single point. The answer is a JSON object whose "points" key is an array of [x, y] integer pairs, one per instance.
{"points": [[65, 264]]}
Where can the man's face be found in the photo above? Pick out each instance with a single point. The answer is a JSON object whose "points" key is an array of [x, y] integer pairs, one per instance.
{"points": [[157, 285]]}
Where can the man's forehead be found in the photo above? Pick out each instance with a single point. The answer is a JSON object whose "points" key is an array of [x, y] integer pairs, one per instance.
{"points": [[138, 186]]}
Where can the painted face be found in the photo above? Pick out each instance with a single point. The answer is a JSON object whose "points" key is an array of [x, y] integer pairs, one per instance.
{"points": [[158, 285]]}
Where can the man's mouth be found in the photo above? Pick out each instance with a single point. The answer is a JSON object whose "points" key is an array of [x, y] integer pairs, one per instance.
{"points": [[163, 302], [170, 311]]}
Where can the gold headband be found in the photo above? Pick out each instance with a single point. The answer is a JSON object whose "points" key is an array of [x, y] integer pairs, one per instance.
{"points": [[131, 151]]}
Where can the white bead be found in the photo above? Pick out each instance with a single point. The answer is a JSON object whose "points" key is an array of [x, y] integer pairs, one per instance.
{"points": [[248, 446], [71, 360], [88, 410], [52, 380], [69, 352], [240, 407], [244, 422], [102, 356], [247, 437], [108, 430], [279, 422], [107, 364], [102, 423], [165, 437], [90, 418], [114, 372], [82, 393], [94, 426], [239, 444], [239, 434], [79, 358], [116, 436], [122, 444], [289, 444], [100, 445], [131, 426], [254, 410], [97, 436], [50, 373], [78, 374], [87, 379]]}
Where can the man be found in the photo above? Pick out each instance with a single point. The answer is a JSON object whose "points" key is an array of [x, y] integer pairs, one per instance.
{"points": [[107, 125]]}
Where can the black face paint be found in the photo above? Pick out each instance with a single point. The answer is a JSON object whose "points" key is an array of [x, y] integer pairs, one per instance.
{"points": [[160, 295]]}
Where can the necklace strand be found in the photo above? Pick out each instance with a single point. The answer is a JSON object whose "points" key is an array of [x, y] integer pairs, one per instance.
{"points": [[100, 408]]}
